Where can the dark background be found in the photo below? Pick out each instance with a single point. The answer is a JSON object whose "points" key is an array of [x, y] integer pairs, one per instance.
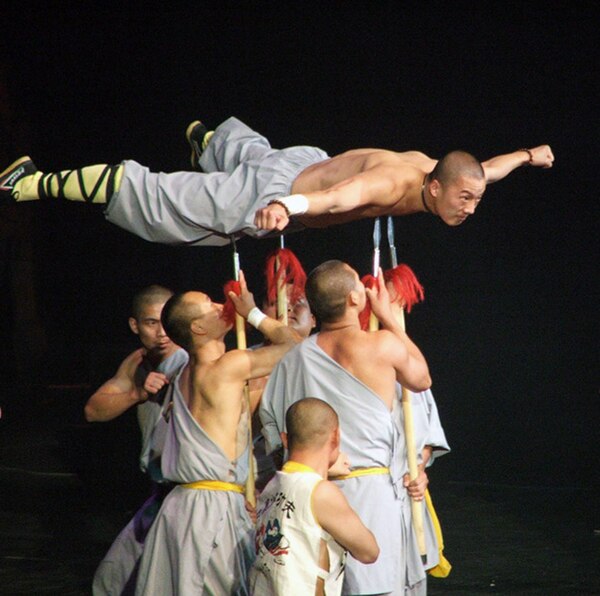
{"points": [[510, 321]]}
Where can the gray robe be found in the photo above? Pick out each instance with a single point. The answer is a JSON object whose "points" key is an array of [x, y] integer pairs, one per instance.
{"points": [[372, 438], [242, 173], [117, 572], [201, 540]]}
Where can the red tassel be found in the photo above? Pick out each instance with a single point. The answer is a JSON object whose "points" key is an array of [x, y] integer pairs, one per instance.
{"points": [[408, 289], [228, 307], [289, 270], [369, 282]]}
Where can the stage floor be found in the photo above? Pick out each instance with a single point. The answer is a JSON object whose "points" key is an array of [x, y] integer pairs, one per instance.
{"points": [[62, 501]]}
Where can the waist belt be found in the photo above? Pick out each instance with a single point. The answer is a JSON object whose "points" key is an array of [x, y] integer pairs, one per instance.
{"points": [[214, 485], [363, 472]]}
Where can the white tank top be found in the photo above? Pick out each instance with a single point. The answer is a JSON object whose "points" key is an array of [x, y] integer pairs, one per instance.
{"points": [[288, 538]]}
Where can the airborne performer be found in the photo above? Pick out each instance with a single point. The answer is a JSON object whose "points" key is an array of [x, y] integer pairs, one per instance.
{"points": [[245, 187]]}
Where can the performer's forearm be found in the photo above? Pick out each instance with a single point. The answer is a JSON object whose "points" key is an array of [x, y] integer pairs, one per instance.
{"points": [[107, 405], [501, 166], [340, 198]]}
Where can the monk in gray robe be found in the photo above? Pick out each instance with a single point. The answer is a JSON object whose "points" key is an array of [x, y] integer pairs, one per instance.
{"points": [[140, 382], [357, 372], [202, 541]]}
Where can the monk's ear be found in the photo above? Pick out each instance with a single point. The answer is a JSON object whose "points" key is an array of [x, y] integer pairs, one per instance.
{"points": [[284, 440], [133, 325], [434, 187], [337, 437], [353, 298], [196, 328]]}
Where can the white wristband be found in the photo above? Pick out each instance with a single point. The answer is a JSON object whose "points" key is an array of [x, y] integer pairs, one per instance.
{"points": [[256, 317], [294, 204]]}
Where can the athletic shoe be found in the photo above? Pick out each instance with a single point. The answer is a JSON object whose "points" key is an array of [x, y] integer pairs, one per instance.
{"points": [[197, 136], [15, 171]]}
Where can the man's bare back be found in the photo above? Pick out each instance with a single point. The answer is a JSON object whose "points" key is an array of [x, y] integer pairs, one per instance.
{"points": [[357, 351]]}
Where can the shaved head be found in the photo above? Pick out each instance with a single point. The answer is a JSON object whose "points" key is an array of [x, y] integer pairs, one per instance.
{"points": [[154, 294], [177, 316], [309, 423], [456, 164], [327, 288]]}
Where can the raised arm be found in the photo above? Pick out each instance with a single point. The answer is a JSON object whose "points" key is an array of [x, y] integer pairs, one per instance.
{"points": [[499, 167], [334, 514], [251, 364], [410, 364]]}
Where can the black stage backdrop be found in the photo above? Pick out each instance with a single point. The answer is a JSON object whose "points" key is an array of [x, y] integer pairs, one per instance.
{"points": [[510, 320]]}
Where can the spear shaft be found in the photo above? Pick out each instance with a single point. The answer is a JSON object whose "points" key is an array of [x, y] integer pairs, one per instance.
{"points": [[409, 430], [240, 333]]}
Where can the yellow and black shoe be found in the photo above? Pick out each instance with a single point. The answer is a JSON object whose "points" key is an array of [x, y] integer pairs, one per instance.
{"points": [[13, 174], [197, 136]]}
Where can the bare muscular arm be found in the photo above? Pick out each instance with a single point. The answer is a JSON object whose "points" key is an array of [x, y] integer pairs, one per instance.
{"points": [[334, 514], [376, 191], [499, 167], [405, 356], [117, 394], [252, 364]]}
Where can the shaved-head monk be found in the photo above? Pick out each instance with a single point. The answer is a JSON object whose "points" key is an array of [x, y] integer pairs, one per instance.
{"points": [[248, 188]]}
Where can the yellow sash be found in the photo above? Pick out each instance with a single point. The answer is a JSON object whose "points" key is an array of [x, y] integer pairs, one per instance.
{"points": [[214, 485], [442, 569], [363, 472]]}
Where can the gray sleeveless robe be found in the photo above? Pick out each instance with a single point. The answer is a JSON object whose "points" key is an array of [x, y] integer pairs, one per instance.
{"points": [[117, 572], [371, 437], [202, 541]]}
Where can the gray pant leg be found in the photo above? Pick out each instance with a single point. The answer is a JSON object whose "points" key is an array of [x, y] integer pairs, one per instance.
{"points": [[185, 207], [232, 143]]}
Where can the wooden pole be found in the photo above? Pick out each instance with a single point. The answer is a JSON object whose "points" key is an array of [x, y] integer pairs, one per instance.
{"points": [[409, 429], [240, 333]]}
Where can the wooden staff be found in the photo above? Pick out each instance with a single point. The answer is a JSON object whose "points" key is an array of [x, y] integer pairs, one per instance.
{"points": [[240, 333], [409, 429]]}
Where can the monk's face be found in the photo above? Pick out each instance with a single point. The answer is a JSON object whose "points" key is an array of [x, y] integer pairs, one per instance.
{"points": [[300, 317], [148, 327], [457, 200]]}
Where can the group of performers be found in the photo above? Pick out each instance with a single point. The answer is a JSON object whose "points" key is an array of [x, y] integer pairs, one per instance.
{"points": [[336, 516]]}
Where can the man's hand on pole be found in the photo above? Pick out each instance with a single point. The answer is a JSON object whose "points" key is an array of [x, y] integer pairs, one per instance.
{"points": [[379, 299], [243, 303]]}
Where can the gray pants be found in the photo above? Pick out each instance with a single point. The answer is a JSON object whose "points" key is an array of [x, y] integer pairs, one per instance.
{"points": [[243, 173]]}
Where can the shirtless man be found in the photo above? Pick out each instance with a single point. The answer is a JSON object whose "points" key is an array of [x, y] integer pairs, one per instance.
{"points": [[248, 188], [373, 182], [202, 538]]}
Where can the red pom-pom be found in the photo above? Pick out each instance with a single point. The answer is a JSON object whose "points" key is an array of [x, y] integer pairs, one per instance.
{"points": [[369, 282], [408, 289], [283, 264], [228, 307]]}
